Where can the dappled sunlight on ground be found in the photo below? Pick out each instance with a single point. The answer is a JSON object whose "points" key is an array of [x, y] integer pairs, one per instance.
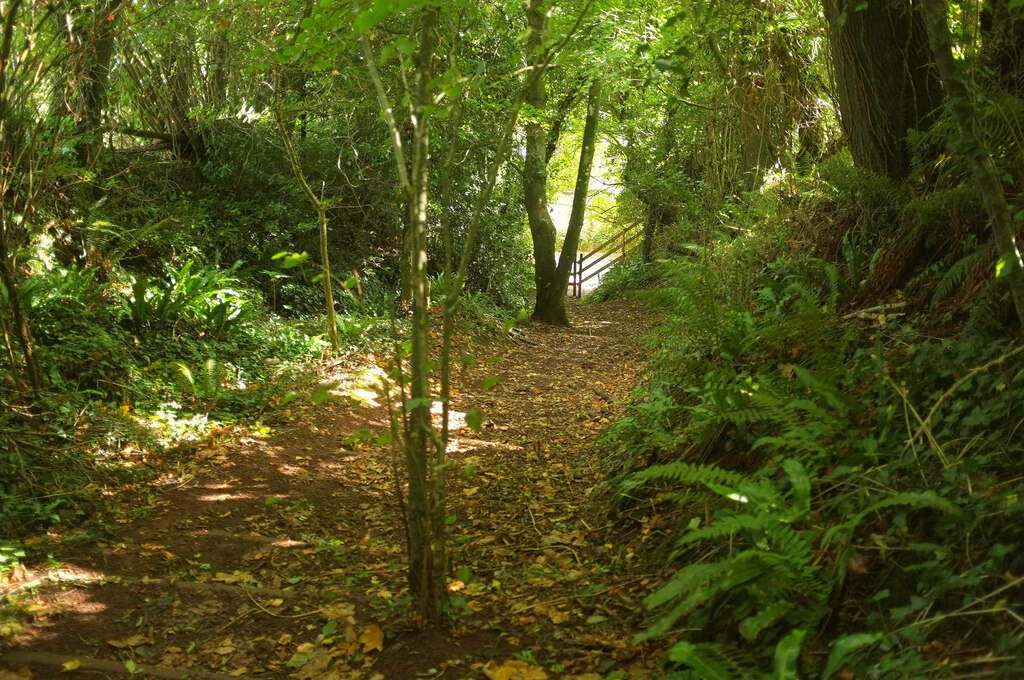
{"points": [[280, 551]]}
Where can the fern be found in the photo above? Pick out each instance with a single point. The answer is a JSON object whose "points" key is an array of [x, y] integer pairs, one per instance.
{"points": [[715, 662], [956, 274], [684, 473], [983, 319]]}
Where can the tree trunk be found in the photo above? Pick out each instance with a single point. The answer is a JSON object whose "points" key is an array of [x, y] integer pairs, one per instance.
{"points": [[99, 46], [885, 78], [984, 169], [550, 304], [427, 562], [321, 213], [553, 310], [22, 329], [755, 148], [1002, 30]]}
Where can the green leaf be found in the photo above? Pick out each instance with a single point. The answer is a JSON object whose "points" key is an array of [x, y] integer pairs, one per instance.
{"points": [[272, 500], [322, 392], [786, 653], [329, 628], [752, 626], [801, 487], [707, 667], [419, 402], [288, 398], [490, 382], [845, 646], [475, 419], [290, 260], [1001, 267]]}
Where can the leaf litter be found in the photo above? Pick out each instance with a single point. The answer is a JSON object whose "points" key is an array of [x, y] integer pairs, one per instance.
{"points": [[283, 555]]}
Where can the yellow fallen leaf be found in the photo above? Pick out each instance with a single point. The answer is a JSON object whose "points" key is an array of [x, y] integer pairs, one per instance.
{"points": [[133, 641], [372, 638], [513, 670], [340, 612], [557, 616], [20, 674], [470, 492], [234, 577], [71, 664]]}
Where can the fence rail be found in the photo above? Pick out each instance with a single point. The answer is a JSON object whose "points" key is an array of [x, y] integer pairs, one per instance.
{"points": [[603, 257]]}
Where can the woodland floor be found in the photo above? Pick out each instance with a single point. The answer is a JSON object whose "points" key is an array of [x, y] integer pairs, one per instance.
{"points": [[281, 556]]}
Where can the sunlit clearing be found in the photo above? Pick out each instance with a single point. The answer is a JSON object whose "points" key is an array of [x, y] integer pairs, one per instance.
{"points": [[456, 419]]}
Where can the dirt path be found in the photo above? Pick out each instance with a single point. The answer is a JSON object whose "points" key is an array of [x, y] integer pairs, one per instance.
{"points": [[283, 557]]}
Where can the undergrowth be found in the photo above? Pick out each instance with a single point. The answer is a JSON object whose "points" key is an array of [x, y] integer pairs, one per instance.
{"points": [[833, 479]]}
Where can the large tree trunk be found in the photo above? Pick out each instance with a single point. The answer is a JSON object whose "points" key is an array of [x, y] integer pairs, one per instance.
{"points": [[885, 77], [80, 86], [984, 169], [99, 45], [756, 149], [1002, 30], [535, 178]]}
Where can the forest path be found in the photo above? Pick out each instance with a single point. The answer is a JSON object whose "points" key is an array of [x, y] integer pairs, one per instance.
{"points": [[282, 557]]}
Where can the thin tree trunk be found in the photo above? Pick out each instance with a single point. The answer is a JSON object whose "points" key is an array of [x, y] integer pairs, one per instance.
{"points": [[427, 563], [984, 169], [579, 196], [321, 213], [21, 326]]}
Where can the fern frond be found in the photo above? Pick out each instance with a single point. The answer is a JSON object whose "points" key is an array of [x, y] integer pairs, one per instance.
{"points": [[715, 662], [722, 527], [685, 473], [955, 275]]}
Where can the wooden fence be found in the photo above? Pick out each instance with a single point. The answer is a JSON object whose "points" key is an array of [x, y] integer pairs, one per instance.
{"points": [[603, 257]]}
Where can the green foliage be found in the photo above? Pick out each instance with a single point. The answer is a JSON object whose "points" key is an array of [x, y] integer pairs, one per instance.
{"points": [[822, 466], [625, 275], [203, 296]]}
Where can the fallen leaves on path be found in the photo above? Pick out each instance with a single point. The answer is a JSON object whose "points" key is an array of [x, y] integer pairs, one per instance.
{"points": [[284, 556]]}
